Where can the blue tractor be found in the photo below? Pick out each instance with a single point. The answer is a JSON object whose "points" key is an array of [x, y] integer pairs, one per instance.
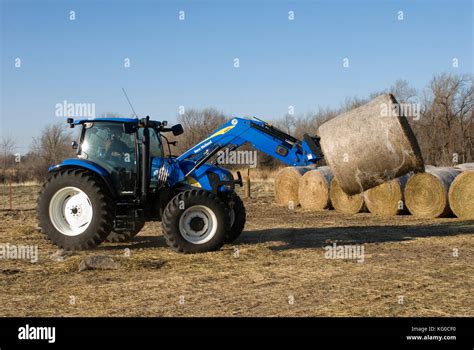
{"points": [[125, 175]]}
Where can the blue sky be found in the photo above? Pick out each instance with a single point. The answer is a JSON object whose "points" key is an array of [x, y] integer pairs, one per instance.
{"points": [[191, 62]]}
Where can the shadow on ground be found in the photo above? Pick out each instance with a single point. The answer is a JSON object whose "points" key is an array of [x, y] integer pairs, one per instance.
{"points": [[320, 236], [136, 243], [316, 237]]}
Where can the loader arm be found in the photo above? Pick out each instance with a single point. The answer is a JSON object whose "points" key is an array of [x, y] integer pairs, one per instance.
{"points": [[262, 136]]}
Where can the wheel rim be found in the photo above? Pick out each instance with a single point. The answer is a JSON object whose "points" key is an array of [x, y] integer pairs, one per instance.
{"points": [[70, 211], [198, 224]]}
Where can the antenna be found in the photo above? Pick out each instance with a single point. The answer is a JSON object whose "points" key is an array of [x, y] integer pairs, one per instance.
{"points": [[130, 103]]}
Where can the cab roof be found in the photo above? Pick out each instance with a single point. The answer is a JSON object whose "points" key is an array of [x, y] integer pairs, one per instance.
{"points": [[113, 120]]}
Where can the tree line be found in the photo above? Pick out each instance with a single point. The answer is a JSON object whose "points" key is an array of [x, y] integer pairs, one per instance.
{"points": [[441, 118]]}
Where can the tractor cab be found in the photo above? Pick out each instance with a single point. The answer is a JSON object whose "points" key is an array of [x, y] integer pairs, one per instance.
{"points": [[116, 145]]}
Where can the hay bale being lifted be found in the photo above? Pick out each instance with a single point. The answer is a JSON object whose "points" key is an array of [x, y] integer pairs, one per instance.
{"points": [[370, 145], [343, 203], [387, 199], [287, 183], [313, 192], [426, 194], [461, 195]]}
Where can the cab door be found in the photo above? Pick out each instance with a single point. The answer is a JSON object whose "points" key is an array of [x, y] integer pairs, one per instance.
{"points": [[112, 147], [156, 150]]}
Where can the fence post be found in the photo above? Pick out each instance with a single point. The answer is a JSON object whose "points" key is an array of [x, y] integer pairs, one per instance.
{"points": [[247, 184], [11, 193]]}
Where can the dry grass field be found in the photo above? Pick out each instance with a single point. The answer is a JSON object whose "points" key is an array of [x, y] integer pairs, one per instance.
{"points": [[277, 267]]}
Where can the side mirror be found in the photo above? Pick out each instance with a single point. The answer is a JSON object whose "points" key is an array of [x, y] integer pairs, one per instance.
{"points": [[177, 129]]}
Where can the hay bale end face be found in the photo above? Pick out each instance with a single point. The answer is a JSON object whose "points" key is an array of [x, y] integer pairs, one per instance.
{"points": [[313, 192], [343, 203], [287, 184], [426, 194], [387, 199], [370, 145], [461, 195]]}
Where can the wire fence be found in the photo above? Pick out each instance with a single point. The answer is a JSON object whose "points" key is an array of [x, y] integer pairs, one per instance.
{"points": [[18, 196]]}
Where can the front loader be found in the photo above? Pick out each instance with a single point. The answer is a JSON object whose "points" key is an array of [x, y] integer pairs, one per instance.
{"points": [[125, 175]]}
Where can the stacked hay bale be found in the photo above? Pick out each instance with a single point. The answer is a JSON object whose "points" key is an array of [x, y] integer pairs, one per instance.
{"points": [[387, 199], [461, 192], [287, 184], [426, 194], [344, 203], [313, 193]]}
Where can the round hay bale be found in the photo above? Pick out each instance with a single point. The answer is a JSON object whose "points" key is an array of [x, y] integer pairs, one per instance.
{"points": [[387, 199], [370, 145], [343, 203], [461, 195], [287, 183], [313, 192], [426, 194]]}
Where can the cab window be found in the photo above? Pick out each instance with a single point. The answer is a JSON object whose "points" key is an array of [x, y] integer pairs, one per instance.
{"points": [[106, 144], [156, 148]]}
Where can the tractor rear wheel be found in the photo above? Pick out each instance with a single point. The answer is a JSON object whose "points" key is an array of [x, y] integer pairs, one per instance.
{"points": [[195, 221], [124, 236], [75, 210], [238, 217]]}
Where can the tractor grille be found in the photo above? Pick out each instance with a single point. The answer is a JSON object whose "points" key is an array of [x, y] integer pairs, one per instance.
{"points": [[163, 175]]}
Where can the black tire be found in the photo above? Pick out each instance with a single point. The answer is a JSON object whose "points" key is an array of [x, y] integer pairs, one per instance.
{"points": [[124, 236], [240, 217], [102, 216], [184, 204]]}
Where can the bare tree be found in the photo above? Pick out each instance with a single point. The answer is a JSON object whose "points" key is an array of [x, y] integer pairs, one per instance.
{"points": [[446, 126], [198, 124], [287, 123], [464, 109], [51, 147], [402, 91], [7, 147]]}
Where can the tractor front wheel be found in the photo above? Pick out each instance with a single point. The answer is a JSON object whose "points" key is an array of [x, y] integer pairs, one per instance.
{"points": [[238, 217], [75, 210], [195, 221]]}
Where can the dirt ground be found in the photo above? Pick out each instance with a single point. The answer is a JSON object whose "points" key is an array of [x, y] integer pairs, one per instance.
{"points": [[278, 267]]}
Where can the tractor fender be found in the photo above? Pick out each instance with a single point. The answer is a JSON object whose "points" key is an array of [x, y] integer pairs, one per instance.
{"points": [[86, 164]]}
